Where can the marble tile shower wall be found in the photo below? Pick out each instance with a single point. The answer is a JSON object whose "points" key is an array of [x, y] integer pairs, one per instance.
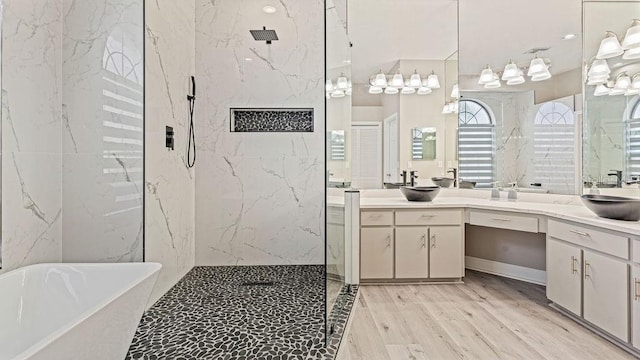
{"points": [[169, 184], [31, 143], [260, 195]]}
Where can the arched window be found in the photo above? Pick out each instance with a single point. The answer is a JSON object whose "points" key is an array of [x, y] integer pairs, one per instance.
{"points": [[554, 147], [632, 142], [476, 145]]}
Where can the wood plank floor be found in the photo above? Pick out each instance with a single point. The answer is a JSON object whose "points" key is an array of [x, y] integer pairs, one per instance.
{"points": [[487, 317]]}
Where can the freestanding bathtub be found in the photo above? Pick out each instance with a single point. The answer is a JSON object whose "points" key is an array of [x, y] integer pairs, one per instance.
{"points": [[72, 311]]}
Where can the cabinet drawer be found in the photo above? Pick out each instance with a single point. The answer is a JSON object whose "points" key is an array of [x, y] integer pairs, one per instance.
{"points": [[504, 221], [429, 217], [611, 244], [373, 218]]}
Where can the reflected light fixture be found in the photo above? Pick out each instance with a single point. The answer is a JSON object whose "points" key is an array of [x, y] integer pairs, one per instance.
{"points": [[635, 81], [415, 81], [328, 86], [632, 38], [609, 46], [407, 90], [517, 81], [397, 81], [380, 80], [455, 92], [375, 89], [432, 81], [623, 81], [486, 76], [494, 84], [391, 90], [337, 93], [510, 71], [423, 90], [537, 67], [632, 54], [601, 90], [544, 76], [598, 68], [596, 80], [342, 83]]}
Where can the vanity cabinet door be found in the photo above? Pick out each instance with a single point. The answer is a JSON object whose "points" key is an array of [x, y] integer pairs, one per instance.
{"points": [[564, 272], [635, 307], [412, 252], [445, 252], [606, 294], [376, 253]]}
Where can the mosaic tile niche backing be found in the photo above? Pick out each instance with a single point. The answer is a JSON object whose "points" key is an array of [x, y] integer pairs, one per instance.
{"points": [[272, 120]]}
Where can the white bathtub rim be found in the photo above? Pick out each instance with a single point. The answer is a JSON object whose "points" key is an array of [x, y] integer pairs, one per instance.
{"points": [[42, 343]]}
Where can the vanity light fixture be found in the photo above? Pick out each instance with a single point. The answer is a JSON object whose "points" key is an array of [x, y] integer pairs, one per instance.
{"points": [[597, 80], [635, 81], [397, 81], [407, 90], [537, 67], [391, 90], [455, 92], [342, 87], [380, 80], [337, 93], [328, 86], [342, 83], [375, 89], [631, 92], [423, 90], [609, 46], [614, 92], [415, 81], [494, 84], [599, 67], [432, 81], [486, 76], [544, 76], [632, 38], [517, 81], [632, 54], [601, 90], [511, 71], [623, 81]]}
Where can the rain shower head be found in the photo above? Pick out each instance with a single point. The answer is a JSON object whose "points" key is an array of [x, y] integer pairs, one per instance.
{"points": [[264, 35]]}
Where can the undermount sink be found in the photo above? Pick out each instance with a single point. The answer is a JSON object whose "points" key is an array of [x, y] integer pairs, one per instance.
{"points": [[442, 181], [420, 193], [613, 207]]}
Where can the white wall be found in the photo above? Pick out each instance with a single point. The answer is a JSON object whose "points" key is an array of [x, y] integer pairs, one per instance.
{"points": [[31, 127], [169, 183], [260, 195]]}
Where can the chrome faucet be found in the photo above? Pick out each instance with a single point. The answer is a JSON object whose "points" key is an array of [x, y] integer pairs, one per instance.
{"points": [[413, 176], [618, 175], [454, 171]]}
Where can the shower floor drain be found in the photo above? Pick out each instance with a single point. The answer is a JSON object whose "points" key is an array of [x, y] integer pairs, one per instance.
{"points": [[258, 283]]}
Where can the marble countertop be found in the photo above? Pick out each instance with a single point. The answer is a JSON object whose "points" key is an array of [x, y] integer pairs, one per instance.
{"points": [[564, 207]]}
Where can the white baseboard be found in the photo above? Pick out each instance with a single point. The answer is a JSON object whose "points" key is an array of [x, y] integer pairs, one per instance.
{"points": [[522, 273]]}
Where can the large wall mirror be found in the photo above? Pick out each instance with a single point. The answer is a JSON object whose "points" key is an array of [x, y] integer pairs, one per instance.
{"points": [[612, 82], [402, 72], [519, 113]]}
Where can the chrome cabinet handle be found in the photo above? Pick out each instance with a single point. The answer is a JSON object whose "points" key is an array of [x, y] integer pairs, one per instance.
{"points": [[586, 273], [500, 219], [637, 293], [580, 233], [573, 265], [433, 241], [424, 240]]}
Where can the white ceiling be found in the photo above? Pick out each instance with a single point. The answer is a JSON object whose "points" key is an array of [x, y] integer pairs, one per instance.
{"points": [[384, 31]]}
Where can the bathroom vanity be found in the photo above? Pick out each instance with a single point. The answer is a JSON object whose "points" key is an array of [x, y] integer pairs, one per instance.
{"points": [[592, 264]]}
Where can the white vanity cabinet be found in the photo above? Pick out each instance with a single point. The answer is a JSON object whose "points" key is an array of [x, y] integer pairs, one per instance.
{"points": [[635, 305], [587, 274], [412, 244]]}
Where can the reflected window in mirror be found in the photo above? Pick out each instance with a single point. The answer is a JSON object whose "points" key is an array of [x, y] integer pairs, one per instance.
{"points": [[476, 144], [336, 145], [423, 143], [554, 147], [632, 141]]}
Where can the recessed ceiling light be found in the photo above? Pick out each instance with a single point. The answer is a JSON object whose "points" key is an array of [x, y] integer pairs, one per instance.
{"points": [[269, 9], [569, 37]]}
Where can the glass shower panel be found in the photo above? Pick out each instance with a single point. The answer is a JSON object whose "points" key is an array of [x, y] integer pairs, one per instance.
{"points": [[103, 130]]}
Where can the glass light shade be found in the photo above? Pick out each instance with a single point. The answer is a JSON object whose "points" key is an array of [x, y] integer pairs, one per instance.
{"points": [[445, 108], [328, 95], [609, 46], [537, 67], [348, 92], [455, 92], [423, 90], [342, 83], [632, 38], [380, 80], [631, 92], [486, 76], [337, 93], [391, 90], [510, 72], [623, 82], [596, 80], [635, 81], [493, 84], [614, 92], [397, 81], [456, 107], [599, 67], [408, 90], [517, 81], [375, 90], [415, 80], [432, 81], [632, 54], [542, 76], [601, 90], [328, 85]]}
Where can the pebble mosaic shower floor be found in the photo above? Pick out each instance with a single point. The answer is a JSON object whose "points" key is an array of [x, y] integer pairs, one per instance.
{"points": [[241, 312]]}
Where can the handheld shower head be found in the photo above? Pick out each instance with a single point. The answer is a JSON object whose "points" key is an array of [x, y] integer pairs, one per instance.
{"points": [[264, 35]]}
